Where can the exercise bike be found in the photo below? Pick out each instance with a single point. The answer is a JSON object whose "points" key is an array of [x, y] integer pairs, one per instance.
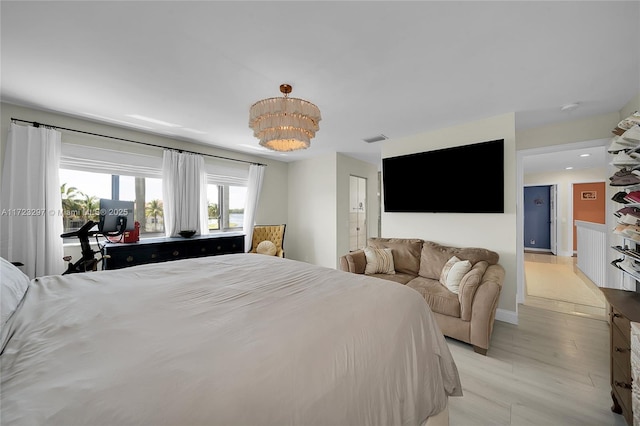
{"points": [[88, 261]]}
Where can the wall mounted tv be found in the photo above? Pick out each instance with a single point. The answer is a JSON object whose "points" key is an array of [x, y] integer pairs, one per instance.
{"points": [[461, 179]]}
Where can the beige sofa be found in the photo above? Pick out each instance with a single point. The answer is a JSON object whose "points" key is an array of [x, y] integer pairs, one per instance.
{"points": [[467, 316]]}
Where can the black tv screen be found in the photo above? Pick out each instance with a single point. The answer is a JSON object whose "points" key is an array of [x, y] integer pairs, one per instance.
{"points": [[461, 179]]}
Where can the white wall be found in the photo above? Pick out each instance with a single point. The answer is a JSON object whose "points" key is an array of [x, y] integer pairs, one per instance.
{"points": [[586, 129], [495, 232], [312, 211], [564, 179]]}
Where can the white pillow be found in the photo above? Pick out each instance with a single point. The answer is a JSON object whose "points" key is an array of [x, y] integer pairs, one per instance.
{"points": [[453, 272], [267, 247], [14, 285], [379, 261]]}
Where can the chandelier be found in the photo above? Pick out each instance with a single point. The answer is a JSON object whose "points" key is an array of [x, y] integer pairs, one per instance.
{"points": [[284, 124]]}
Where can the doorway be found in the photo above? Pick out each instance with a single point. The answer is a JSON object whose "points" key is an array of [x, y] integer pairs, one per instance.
{"points": [[558, 273], [357, 212]]}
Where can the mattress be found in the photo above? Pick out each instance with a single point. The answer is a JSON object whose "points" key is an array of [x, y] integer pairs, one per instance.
{"points": [[241, 339]]}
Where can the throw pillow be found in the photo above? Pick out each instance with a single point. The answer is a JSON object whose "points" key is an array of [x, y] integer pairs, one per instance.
{"points": [[14, 284], [379, 261], [267, 247], [453, 272]]}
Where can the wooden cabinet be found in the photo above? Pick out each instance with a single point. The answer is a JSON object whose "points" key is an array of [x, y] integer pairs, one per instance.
{"points": [[624, 308], [154, 250]]}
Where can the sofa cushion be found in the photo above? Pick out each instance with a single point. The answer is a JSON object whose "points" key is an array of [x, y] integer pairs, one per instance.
{"points": [[453, 272], [398, 277], [406, 252], [434, 256], [468, 286], [379, 261], [438, 297]]}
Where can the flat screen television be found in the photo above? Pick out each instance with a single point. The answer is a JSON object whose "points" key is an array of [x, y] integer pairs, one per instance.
{"points": [[461, 179], [112, 213]]}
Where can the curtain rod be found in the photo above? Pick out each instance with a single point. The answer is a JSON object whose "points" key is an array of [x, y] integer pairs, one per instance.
{"points": [[36, 124]]}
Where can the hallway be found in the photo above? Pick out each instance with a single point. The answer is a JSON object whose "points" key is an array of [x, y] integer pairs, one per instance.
{"points": [[555, 283]]}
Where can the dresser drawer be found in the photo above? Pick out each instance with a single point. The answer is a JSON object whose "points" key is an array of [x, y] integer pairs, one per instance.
{"points": [[621, 386], [217, 246], [622, 322], [621, 350]]}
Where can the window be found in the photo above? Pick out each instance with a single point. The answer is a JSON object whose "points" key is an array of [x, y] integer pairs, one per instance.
{"points": [[88, 173], [81, 192], [225, 207]]}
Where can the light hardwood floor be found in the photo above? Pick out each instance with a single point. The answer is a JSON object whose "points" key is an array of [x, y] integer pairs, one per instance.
{"points": [[550, 281], [550, 369]]}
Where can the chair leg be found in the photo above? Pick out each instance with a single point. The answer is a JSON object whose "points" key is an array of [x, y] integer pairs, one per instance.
{"points": [[479, 350]]}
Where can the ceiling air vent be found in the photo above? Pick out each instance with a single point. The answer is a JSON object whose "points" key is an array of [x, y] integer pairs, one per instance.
{"points": [[377, 138]]}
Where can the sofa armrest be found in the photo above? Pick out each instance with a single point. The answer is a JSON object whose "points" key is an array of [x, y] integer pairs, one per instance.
{"points": [[354, 262], [485, 303]]}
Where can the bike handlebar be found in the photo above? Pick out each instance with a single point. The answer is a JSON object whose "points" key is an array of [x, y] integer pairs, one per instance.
{"points": [[84, 230]]}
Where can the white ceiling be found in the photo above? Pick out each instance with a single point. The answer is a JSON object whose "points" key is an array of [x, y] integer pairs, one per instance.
{"points": [[383, 67], [589, 157]]}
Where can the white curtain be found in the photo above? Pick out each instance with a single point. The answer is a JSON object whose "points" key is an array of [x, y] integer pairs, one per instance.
{"points": [[31, 205], [184, 193], [254, 186]]}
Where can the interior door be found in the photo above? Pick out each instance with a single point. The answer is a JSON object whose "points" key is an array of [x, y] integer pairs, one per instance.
{"points": [[553, 217], [536, 218], [357, 212]]}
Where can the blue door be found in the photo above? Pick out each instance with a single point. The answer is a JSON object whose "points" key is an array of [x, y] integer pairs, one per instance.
{"points": [[537, 217]]}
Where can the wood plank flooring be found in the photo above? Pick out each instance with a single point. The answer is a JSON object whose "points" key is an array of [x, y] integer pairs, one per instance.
{"points": [[547, 286], [550, 369]]}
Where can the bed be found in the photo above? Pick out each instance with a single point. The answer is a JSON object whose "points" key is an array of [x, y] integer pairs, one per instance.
{"points": [[239, 339]]}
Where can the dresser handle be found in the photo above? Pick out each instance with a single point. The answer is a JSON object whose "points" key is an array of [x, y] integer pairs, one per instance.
{"points": [[129, 258], [154, 255], [176, 252], [622, 385], [622, 349]]}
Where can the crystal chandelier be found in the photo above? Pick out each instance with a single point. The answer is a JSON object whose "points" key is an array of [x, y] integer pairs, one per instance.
{"points": [[284, 124]]}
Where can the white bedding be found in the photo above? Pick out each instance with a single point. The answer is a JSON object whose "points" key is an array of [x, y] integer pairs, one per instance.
{"points": [[241, 339]]}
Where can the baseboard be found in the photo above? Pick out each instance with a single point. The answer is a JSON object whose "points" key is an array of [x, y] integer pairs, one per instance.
{"points": [[507, 316], [537, 250]]}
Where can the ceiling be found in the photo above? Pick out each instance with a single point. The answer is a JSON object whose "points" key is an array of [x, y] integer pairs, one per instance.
{"points": [[382, 67], [587, 157]]}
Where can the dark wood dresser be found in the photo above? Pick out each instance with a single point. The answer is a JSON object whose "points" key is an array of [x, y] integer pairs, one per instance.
{"points": [[624, 308], [152, 250]]}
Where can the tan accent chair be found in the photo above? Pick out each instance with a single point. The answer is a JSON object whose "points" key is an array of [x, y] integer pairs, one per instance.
{"points": [[273, 233], [467, 316]]}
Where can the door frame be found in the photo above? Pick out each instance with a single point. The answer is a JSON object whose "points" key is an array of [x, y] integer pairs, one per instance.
{"points": [[553, 219], [553, 216], [366, 207]]}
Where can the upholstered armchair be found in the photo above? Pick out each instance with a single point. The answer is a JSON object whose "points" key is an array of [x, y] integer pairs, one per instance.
{"points": [[273, 233]]}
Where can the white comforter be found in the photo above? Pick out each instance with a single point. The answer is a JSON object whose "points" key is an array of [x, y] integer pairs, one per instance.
{"points": [[240, 339]]}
